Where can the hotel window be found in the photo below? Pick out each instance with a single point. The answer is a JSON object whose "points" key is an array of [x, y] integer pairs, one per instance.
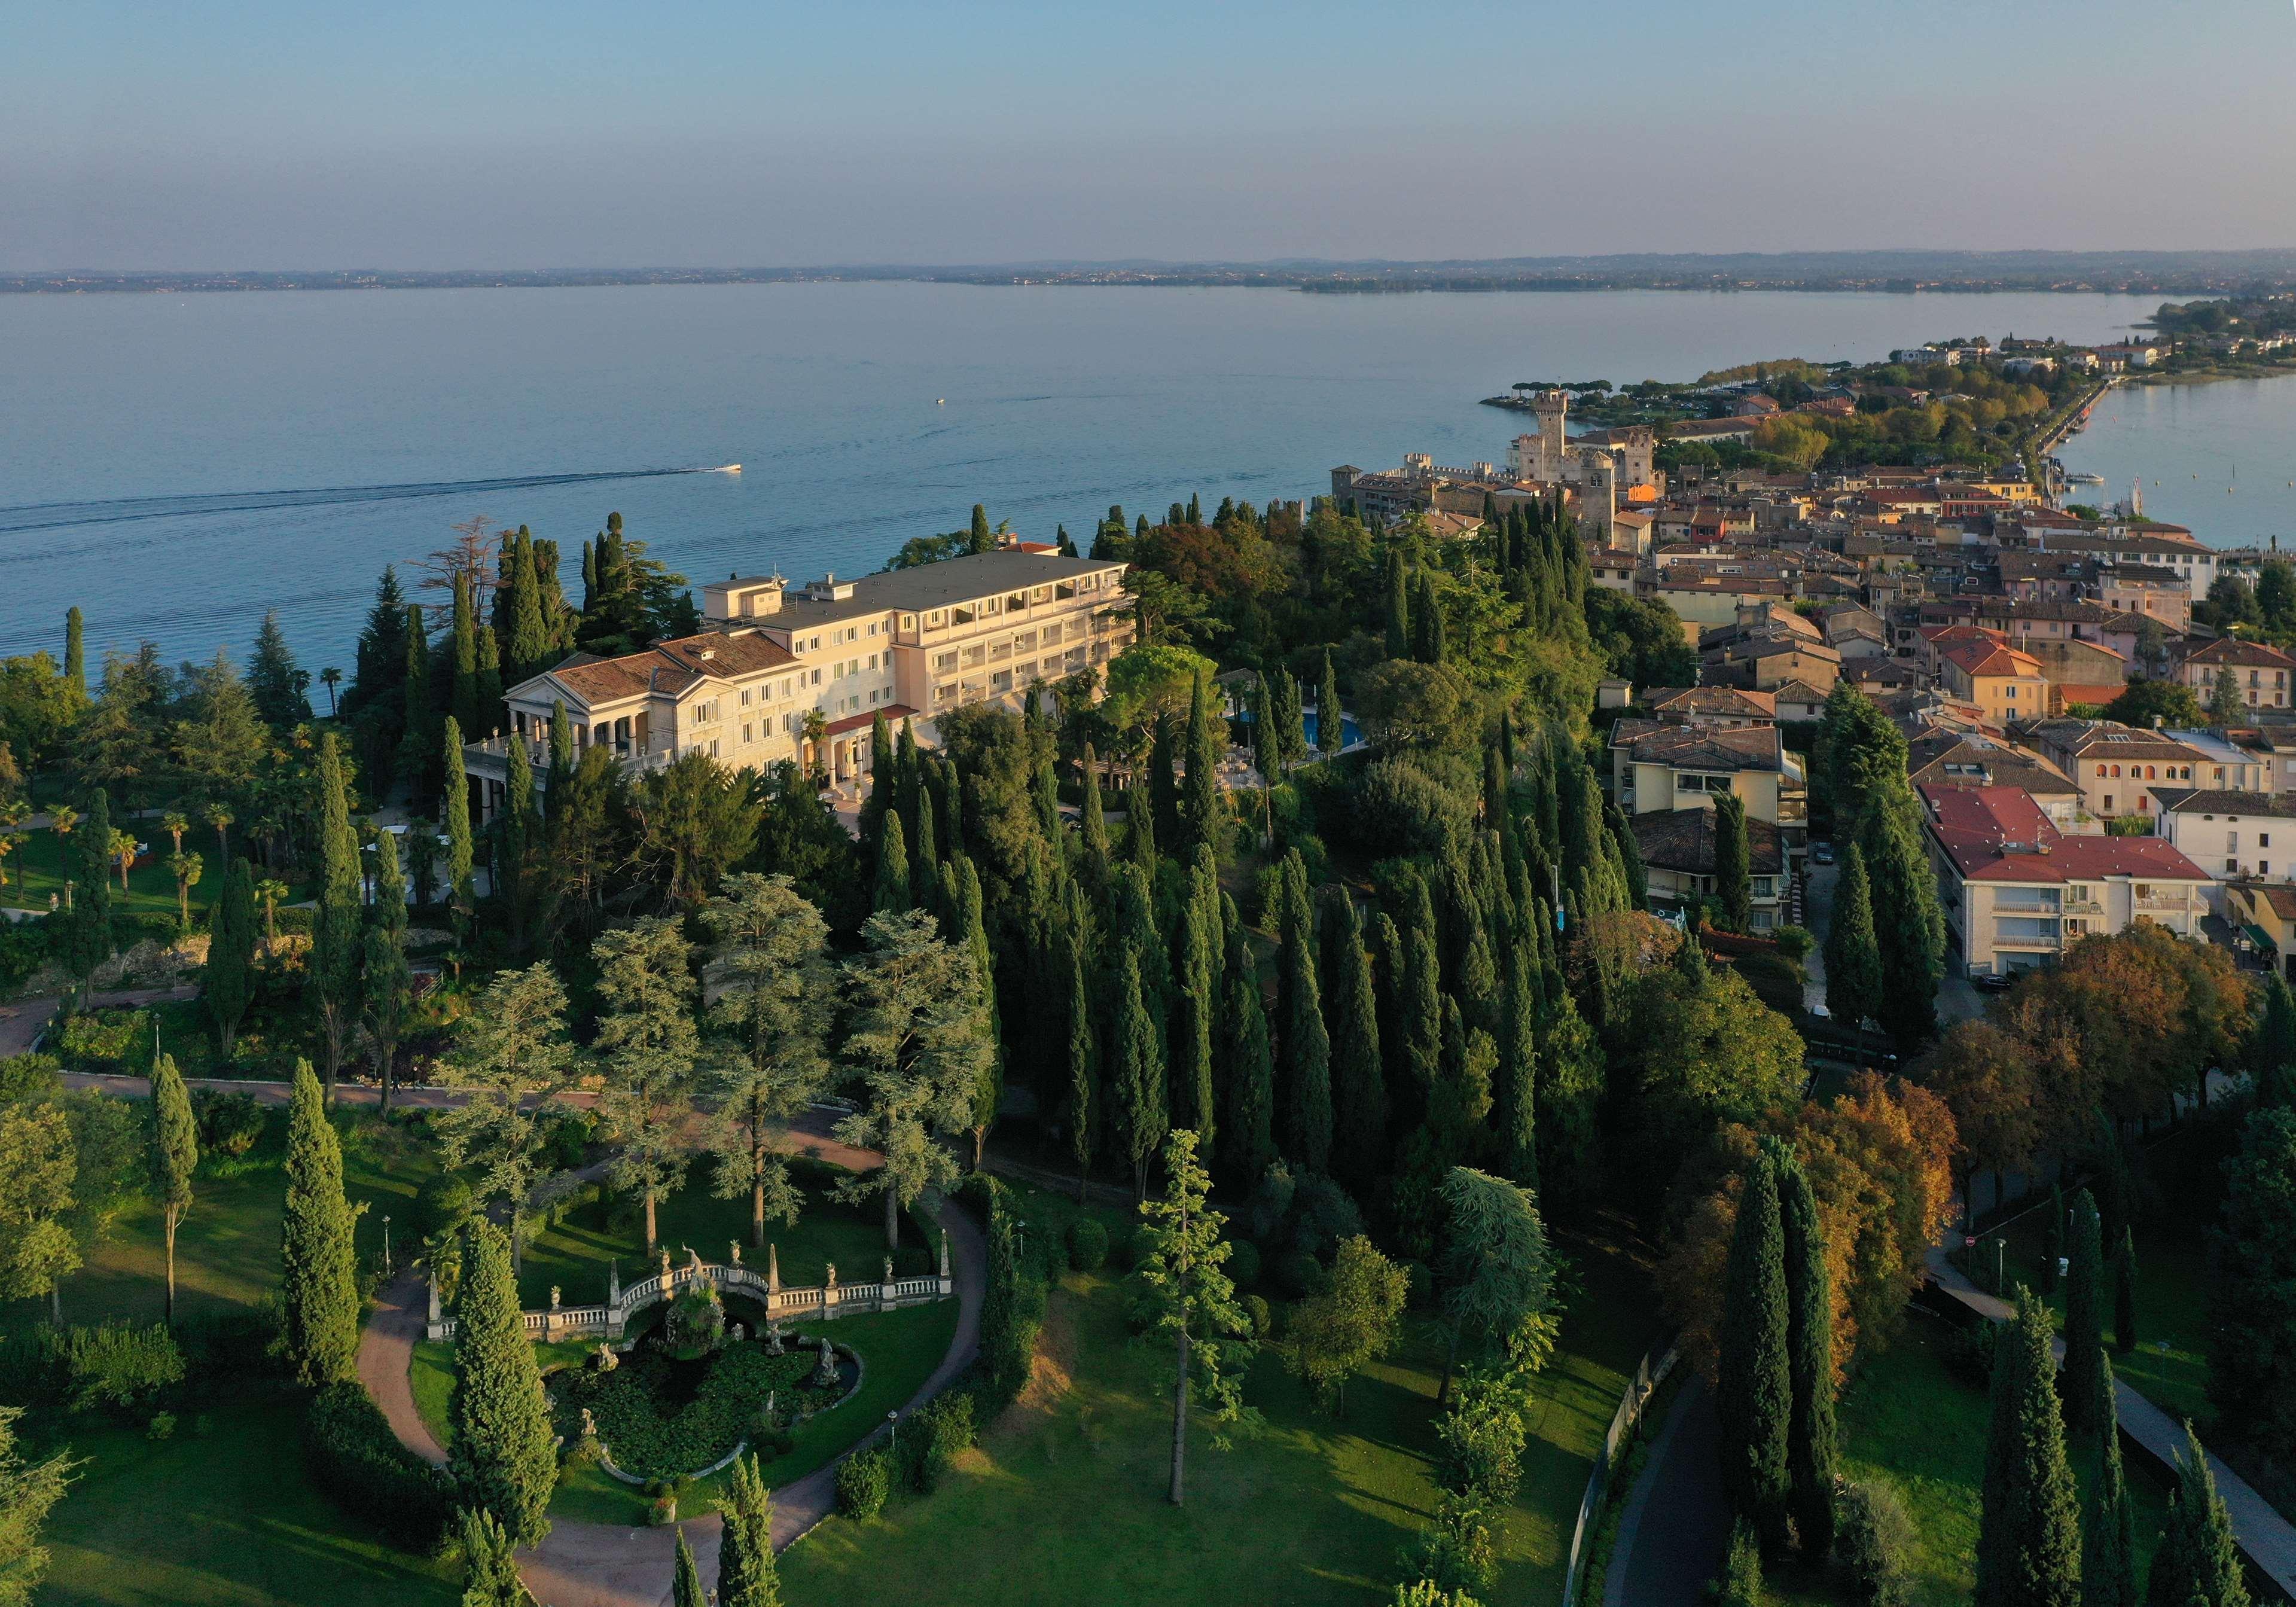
{"points": [[713, 748], [908, 622], [746, 737], [937, 618]]}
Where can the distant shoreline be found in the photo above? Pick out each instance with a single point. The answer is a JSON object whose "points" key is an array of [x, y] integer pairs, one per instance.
{"points": [[2193, 274]]}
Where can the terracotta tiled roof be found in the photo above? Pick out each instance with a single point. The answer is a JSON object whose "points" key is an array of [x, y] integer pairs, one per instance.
{"points": [[2254, 655], [1711, 748], [1976, 659], [1682, 839], [2000, 834], [894, 713], [669, 666], [2219, 800]]}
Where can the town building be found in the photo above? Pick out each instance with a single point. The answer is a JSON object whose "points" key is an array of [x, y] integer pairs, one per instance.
{"points": [[2230, 833], [2006, 684], [2262, 915], [2017, 892], [2117, 768], [1677, 854], [2259, 672], [1661, 767]]}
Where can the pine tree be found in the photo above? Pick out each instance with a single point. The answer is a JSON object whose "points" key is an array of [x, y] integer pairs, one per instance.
{"points": [[2084, 1313], [319, 1277], [1331, 728], [2109, 1526], [1754, 1397], [2198, 1563], [1853, 964], [1733, 885], [2124, 1293], [747, 1574], [331, 978], [1358, 1080], [174, 1157], [686, 1577], [1811, 1453], [379, 671], [1248, 1110], [501, 1451], [274, 682], [892, 894], [461, 889], [227, 980], [2028, 1537], [1136, 1071]]}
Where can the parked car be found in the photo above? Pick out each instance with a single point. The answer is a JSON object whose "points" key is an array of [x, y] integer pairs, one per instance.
{"points": [[1993, 982], [1821, 853]]}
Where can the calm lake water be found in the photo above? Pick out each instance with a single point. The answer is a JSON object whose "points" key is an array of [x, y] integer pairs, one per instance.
{"points": [[2217, 457], [176, 465]]}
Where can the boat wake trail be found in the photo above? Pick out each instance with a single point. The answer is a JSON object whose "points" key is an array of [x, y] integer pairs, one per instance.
{"points": [[131, 510]]}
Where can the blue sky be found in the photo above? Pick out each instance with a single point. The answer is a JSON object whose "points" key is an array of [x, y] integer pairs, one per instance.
{"points": [[266, 134]]}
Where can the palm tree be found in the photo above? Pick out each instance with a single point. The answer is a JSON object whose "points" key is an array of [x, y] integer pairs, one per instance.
{"points": [[174, 825], [123, 854], [219, 816], [187, 868], [817, 732], [268, 893], [331, 678], [62, 820], [9, 841]]}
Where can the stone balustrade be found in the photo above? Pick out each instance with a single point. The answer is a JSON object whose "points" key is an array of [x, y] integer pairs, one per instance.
{"points": [[822, 1303]]}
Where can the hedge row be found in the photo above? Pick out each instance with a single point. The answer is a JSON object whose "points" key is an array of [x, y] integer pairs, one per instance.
{"points": [[350, 1453]]}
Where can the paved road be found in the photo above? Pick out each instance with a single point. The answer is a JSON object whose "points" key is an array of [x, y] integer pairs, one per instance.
{"points": [[1676, 1525], [2268, 1539], [22, 1021], [1817, 916]]}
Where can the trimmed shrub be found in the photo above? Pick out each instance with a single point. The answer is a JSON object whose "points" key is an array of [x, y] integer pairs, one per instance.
{"points": [[1299, 1275], [1243, 1263], [442, 1204], [106, 1040], [122, 1368], [1087, 1245], [863, 1481], [229, 1123], [931, 1438], [349, 1452], [1873, 1545]]}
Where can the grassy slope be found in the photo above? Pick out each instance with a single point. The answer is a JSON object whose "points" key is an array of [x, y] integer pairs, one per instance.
{"points": [[1909, 1422], [1064, 1500]]}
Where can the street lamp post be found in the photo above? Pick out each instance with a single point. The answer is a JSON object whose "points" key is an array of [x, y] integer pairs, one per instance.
{"points": [[386, 1246], [893, 1432]]}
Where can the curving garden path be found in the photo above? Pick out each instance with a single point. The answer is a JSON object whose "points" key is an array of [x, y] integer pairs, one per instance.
{"points": [[608, 1565]]}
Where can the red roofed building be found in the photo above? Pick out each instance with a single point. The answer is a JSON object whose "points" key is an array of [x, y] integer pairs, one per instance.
{"points": [[2005, 683], [2260, 672], [2017, 892]]}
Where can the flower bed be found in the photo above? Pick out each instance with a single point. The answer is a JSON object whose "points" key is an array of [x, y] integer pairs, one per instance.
{"points": [[660, 1418]]}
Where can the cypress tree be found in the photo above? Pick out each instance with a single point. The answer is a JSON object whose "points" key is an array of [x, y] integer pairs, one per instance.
{"points": [[1189, 1034], [1359, 1082], [924, 868], [1514, 1099], [2198, 1563], [2027, 1538], [462, 890], [2272, 1052], [562, 760], [686, 1577], [1853, 963], [515, 828], [1136, 1072], [227, 981], [1164, 790], [884, 780], [491, 680], [1429, 644], [319, 1277], [1423, 1001], [527, 635], [1082, 1105], [2124, 1293], [892, 895], [1248, 1146], [2109, 1527], [2252, 1377], [462, 704], [1331, 727], [1909, 927], [1306, 1082], [1140, 821], [416, 761], [387, 985], [489, 1563], [1810, 1439], [1734, 883], [1201, 810], [74, 652], [330, 980], [981, 539], [747, 1574], [1095, 825], [2084, 1313], [1754, 1396], [1630, 852], [501, 1454], [174, 1157], [968, 929]]}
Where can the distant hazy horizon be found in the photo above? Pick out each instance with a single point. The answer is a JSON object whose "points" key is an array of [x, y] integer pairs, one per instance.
{"points": [[434, 135]]}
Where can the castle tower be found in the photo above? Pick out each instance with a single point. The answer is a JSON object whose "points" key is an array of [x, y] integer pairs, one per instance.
{"points": [[1553, 408]]}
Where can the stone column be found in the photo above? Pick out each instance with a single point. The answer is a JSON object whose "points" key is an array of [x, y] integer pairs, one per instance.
{"points": [[829, 1294], [947, 1286]]}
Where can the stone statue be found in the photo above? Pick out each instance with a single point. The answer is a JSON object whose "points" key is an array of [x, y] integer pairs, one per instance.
{"points": [[553, 1297], [833, 1275], [740, 1333], [735, 1246], [774, 1337], [605, 1358], [888, 1275], [665, 1266], [692, 1259], [826, 1374], [589, 1426]]}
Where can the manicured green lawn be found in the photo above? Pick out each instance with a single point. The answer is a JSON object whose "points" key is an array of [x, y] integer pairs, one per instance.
{"points": [[220, 1519], [33, 875], [1065, 1499], [227, 1248], [1908, 1421], [573, 1256]]}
